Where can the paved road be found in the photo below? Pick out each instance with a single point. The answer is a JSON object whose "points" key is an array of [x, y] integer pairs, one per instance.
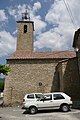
{"points": [[16, 113]]}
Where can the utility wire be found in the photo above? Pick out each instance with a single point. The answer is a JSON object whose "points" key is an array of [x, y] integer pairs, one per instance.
{"points": [[69, 12]]}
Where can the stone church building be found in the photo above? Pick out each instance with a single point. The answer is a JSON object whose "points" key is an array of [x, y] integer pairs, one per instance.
{"points": [[40, 71]]}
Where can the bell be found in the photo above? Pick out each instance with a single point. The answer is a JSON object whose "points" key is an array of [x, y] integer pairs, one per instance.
{"points": [[25, 16]]}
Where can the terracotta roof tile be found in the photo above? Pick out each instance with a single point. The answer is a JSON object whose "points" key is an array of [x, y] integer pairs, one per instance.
{"points": [[21, 54]]}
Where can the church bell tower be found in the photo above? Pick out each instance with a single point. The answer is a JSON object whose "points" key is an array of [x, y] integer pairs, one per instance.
{"points": [[25, 33]]}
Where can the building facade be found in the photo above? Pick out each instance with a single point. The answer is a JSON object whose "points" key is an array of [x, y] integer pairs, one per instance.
{"points": [[39, 71]]}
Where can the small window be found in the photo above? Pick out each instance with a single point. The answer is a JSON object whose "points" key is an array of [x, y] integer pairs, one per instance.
{"points": [[30, 96], [58, 96], [25, 28]]}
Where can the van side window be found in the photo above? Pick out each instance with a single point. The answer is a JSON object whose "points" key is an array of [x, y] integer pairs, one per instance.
{"points": [[58, 96], [38, 95], [31, 96], [47, 97]]}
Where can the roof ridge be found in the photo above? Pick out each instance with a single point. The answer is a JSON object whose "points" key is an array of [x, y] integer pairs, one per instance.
{"points": [[42, 55]]}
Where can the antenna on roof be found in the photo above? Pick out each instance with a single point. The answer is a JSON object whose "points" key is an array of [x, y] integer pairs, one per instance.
{"points": [[26, 15]]}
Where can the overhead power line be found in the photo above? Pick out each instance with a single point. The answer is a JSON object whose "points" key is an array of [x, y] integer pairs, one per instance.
{"points": [[69, 12]]}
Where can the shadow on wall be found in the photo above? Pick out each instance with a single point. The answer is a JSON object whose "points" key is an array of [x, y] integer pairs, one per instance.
{"points": [[68, 79], [71, 79], [56, 82]]}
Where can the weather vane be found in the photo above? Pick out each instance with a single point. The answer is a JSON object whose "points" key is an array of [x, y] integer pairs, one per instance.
{"points": [[26, 15]]}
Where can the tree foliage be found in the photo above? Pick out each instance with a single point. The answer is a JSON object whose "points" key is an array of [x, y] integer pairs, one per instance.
{"points": [[1, 84], [4, 69]]}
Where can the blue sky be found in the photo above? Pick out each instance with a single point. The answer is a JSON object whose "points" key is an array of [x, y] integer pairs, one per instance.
{"points": [[54, 23]]}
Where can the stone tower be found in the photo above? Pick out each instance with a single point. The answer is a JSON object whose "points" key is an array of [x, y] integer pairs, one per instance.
{"points": [[25, 33]]}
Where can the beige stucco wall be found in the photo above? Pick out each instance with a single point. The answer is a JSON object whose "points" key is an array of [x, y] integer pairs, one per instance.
{"points": [[26, 76]]}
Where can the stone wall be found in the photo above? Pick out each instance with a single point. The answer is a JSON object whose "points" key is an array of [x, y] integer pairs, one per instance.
{"points": [[25, 40], [28, 76], [78, 59], [69, 78], [45, 75]]}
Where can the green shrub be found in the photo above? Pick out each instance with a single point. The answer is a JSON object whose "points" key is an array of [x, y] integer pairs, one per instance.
{"points": [[1, 85]]}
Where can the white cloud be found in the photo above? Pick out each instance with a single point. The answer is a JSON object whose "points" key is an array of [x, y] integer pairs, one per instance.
{"points": [[53, 40], [15, 32], [3, 16], [38, 23], [36, 6], [57, 13], [75, 8], [12, 11], [60, 37], [7, 43], [17, 11]]}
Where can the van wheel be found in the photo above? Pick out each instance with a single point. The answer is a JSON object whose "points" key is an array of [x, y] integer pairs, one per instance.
{"points": [[32, 110], [65, 108]]}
